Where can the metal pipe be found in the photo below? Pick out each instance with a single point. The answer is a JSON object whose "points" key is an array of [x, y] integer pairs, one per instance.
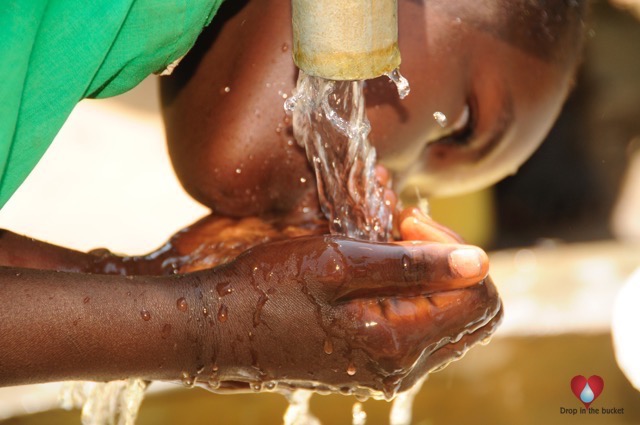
{"points": [[345, 39]]}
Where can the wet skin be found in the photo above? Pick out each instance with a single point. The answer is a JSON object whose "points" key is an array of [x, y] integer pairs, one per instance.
{"points": [[309, 310], [223, 107], [279, 321]]}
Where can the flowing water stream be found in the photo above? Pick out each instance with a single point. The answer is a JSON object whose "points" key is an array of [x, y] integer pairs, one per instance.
{"points": [[105, 403], [330, 123]]}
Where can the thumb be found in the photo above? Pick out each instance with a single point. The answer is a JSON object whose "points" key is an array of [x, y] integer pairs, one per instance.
{"points": [[405, 268]]}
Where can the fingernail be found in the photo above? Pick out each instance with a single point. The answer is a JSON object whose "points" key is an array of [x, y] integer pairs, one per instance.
{"points": [[467, 262]]}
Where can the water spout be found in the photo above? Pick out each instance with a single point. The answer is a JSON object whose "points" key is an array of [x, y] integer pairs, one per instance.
{"points": [[345, 39]]}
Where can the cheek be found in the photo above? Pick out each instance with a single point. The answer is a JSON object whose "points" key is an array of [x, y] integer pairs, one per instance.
{"points": [[524, 104], [434, 60]]}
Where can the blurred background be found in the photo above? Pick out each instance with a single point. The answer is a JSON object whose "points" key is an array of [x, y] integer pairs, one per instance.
{"points": [[563, 236]]}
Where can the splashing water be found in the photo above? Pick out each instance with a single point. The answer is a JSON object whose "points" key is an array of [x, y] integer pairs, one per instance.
{"points": [[402, 407], [105, 403], [330, 122], [298, 411], [402, 84], [359, 416]]}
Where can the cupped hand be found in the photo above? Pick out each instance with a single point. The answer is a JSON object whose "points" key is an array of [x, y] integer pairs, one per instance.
{"points": [[337, 314]]}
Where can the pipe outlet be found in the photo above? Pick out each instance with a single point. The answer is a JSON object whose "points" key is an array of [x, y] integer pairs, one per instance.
{"points": [[345, 39]]}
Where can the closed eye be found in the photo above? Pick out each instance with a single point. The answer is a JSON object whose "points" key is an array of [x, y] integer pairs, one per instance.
{"points": [[468, 134], [461, 132]]}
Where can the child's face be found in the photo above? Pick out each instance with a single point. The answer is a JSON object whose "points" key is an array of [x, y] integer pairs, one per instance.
{"points": [[486, 67], [506, 62]]}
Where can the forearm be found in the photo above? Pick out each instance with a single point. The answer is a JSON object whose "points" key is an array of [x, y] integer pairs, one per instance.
{"points": [[68, 326], [22, 251]]}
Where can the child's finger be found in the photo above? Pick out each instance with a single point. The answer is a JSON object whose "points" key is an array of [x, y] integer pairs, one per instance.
{"points": [[415, 225]]}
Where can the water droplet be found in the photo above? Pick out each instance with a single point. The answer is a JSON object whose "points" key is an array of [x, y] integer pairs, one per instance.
{"points": [[362, 397], [587, 396], [328, 346], [303, 180], [86, 300], [182, 304], [270, 386], [188, 380], [258, 312], [486, 340], [223, 313], [256, 387], [441, 119], [224, 288], [406, 262], [238, 170], [284, 47], [205, 311], [290, 105], [146, 316], [351, 369], [346, 391], [166, 331], [227, 89], [402, 84]]}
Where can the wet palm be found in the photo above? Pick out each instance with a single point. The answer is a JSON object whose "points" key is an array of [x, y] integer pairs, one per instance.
{"points": [[336, 314]]}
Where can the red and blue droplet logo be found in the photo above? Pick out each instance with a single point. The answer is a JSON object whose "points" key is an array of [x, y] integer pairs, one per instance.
{"points": [[587, 390]]}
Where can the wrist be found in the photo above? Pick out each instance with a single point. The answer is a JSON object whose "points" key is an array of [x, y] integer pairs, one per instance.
{"points": [[233, 302]]}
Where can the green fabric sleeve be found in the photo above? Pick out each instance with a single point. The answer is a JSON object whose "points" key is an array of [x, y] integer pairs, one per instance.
{"points": [[53, 53]]}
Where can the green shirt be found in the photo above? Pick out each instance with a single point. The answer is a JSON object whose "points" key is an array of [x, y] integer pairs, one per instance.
{"points": [[53, 53]]}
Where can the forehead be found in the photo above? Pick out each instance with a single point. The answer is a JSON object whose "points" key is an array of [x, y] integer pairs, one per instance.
{"points": [[547, 29]]}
